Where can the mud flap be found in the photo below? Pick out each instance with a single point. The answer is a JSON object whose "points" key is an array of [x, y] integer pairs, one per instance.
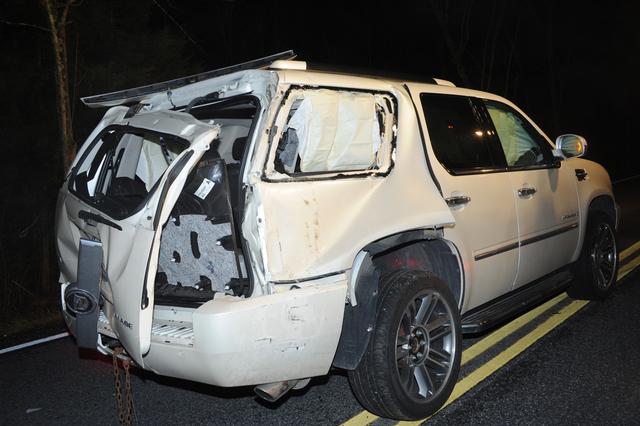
{"points": [[359, 321], [82, 297]]}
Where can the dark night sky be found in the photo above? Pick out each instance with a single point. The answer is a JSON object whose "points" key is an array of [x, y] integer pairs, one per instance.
{"points": [[572, 66]]}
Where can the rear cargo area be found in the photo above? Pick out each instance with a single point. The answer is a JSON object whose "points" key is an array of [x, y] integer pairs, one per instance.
{"points": [[200, 249]]}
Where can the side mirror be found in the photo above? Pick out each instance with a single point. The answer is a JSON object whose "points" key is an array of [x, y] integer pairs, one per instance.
{"points": [[571, 145]]}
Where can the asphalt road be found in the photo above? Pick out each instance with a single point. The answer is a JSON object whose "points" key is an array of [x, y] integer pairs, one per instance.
{"points": [[584, 371]]}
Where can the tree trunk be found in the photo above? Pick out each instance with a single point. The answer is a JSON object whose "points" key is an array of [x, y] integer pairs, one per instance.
{"points": [[58, 20], [456, 52]]}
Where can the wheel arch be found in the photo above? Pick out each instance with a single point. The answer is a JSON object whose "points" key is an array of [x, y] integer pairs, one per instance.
{"points": [[424, 250], [587, 285], [604, 204], [599, 202]]}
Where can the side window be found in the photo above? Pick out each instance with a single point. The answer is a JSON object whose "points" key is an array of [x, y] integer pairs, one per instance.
{"points": [[523, 146], [458, 136], [120, 169], [332, 131]]}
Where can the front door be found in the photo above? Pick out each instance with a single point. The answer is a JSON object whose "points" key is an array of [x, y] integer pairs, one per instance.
{"points": [[545, 194]]}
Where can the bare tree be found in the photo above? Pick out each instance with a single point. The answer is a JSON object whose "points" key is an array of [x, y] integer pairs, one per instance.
{"points": [[513, 42], [490, 49], [57, 13], [553, 66], [58, 19], [456, 46]]}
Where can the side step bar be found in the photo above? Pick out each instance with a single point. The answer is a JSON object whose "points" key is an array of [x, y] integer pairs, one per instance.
{"points": [[488, 315]]}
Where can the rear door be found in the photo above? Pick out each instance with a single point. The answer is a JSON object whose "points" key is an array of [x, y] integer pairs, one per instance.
{"points": [[469, 166], [120, 192]]}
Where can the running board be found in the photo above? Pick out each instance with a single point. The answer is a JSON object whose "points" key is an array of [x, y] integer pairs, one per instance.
{"points": [[518, 301]]}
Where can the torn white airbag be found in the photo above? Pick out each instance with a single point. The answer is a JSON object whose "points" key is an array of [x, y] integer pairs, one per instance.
{"points": [[336, 131]]}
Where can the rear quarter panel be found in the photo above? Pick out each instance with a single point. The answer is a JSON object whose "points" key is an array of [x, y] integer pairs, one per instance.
{"points": [[317, 227]]}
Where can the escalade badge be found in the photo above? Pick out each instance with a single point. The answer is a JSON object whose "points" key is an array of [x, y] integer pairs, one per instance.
{"points": [[80, 301], [123, 321]]}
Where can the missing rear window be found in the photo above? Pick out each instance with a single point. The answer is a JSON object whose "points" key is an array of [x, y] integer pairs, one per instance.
{"points": [[334, 131]]}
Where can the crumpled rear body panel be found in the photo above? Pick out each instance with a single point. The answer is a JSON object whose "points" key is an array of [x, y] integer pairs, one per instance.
{"points": [[315, 226], [237, 342]]}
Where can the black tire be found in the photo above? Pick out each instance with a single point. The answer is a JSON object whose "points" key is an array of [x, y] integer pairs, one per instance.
{"points": [[597, 267], [397, 377]]}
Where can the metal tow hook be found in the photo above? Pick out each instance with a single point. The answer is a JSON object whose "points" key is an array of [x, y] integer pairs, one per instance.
{"points": [[125, 408]]}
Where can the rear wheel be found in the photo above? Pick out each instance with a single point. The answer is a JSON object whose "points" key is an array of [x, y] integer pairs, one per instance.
{"points": [[413, 358], [597, 267]]}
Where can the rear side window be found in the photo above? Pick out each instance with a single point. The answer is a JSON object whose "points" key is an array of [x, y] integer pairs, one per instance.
{"points": [[122, 167], [327, 131], [458, 136]]}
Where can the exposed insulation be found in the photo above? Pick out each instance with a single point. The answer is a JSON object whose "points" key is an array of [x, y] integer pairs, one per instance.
{"points": [[209, 259]]}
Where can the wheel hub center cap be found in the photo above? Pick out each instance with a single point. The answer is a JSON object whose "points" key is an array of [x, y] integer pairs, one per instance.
{"points": [[419, 345]]}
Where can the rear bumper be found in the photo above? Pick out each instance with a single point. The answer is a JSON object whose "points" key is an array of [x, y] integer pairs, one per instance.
{"points": [[231, 341]]}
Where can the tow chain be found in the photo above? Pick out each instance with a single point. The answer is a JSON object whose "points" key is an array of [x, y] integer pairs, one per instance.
{"points": [[125, 408]]}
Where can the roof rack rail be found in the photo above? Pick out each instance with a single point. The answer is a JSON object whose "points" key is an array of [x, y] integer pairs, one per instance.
{"points": [[441, 82], [137, 94]]}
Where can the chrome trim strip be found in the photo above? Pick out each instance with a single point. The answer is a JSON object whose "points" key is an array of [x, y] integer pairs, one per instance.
{"points": [[549, 234], [314, 278], [496, 251], [531, 240]]}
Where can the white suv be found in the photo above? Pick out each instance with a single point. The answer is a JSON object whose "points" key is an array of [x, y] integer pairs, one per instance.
{"points": [[259, 224]]}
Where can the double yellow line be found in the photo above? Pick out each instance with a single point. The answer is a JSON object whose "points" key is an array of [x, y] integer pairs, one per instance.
{"points": [[497, 362]]}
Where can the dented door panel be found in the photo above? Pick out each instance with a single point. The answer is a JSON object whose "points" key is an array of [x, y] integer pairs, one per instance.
{"points": [[68, 232]]}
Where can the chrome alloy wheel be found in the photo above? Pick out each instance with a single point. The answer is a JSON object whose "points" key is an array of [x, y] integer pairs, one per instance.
{"points": [[604, 256], [425, 345]]}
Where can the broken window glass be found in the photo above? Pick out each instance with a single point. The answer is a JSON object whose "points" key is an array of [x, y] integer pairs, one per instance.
{"points": [[335, 131], [121, 168]]}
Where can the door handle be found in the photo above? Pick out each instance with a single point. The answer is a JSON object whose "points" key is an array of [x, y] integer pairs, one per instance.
{"points": [[457, 200], [581, 174], [526, 192]]}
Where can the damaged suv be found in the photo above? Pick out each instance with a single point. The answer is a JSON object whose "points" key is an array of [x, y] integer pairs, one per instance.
{"points": [[263, 223]]}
